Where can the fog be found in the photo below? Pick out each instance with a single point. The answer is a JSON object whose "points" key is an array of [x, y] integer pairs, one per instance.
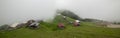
{"points": [[12, 11], [108, 10]]}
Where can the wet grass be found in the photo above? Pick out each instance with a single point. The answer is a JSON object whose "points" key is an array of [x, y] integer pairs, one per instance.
{"points": [[50, 30]]}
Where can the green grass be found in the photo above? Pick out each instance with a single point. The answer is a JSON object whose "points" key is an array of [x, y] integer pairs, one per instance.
{"points": [[50, 30]]}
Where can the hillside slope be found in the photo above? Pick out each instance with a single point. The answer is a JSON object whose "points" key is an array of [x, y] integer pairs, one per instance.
{"points": [[50, 30]]}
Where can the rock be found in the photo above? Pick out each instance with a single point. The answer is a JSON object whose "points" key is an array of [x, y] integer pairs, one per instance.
{"points": [[17, 25], [29, 22], [33, 24], [20, 25], [14, 25]]}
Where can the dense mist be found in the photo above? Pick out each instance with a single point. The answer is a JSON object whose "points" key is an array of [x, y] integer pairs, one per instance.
{"points": [[108, 10], [22, 10], [12, 11]]}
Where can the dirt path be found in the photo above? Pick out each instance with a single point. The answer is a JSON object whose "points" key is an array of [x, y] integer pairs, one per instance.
{"points": [[113, 26]]}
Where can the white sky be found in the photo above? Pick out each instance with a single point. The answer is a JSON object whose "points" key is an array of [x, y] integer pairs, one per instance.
{"points": [[108, 10], [20, 10]]}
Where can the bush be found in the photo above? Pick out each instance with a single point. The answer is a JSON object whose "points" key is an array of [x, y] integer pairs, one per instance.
{"points": [[4, 27]]}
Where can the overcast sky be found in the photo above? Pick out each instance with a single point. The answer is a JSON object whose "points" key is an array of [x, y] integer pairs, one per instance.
{"points": [[108, 10], [12, 11], [21, 10]]}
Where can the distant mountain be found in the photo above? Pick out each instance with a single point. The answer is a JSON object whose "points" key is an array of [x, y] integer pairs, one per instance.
{"points": [[69, 13]]}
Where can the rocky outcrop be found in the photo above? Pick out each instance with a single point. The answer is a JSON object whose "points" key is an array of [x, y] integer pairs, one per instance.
{"points": [[68, 14]]}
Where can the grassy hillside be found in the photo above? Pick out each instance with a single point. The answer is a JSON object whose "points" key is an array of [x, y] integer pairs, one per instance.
{"points": [[50, 30]]}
